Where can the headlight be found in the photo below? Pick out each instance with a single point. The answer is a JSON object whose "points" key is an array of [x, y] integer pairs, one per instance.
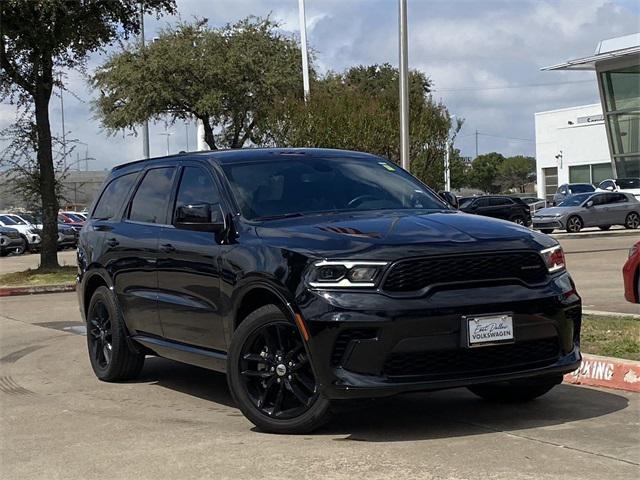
{"points": [[554, 258], [346, 274]]}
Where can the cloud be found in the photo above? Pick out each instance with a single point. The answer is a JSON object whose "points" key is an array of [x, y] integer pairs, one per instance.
{"points": [[473, 51]]}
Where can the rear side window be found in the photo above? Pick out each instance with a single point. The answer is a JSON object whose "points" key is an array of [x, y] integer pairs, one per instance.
{"points": [[150, 201], [113, 196], [617, 198], [497, 202]]}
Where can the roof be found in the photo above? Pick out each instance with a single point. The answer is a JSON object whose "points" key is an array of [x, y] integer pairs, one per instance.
{"points": [[254, 155], [612, 48]]}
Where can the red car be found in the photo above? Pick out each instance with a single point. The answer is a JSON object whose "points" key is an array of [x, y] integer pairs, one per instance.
{"points": [[631, 274]]}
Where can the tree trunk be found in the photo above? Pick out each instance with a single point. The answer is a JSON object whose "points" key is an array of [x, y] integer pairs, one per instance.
{"points": [[49, 245], [208, 134]]}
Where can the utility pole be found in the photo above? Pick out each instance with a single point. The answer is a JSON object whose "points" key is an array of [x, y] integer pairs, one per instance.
{"points": [[303, 47], [404, 84], [476, 143], [167, 134], [145, 124], [447, 167]]}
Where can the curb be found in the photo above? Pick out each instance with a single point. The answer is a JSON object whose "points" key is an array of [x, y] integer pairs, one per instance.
{"points": [[612, 233], [31, 290], [610, 314], [608, 372]]}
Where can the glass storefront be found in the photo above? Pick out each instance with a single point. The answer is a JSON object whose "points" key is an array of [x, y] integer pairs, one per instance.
{"points": [[621, 88], [594, 173]]}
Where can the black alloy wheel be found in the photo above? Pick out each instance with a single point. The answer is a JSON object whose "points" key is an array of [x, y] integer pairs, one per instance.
{"points": [[112, 356], [518, 220], [100, 337], [270, 374], [276, 372]]}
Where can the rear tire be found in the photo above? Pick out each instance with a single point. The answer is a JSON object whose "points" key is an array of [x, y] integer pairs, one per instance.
{"points": [[574, 224], [270, 376], [112, 359], [518, 220], [546, 230], [632, 221], [518, 391]]}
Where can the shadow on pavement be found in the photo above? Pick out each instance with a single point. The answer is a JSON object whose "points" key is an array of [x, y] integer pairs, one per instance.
{"points": [[417, 416]]}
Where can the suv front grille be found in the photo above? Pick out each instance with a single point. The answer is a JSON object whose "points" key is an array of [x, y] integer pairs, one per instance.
{"points": [[416, 274], [469, 362]]}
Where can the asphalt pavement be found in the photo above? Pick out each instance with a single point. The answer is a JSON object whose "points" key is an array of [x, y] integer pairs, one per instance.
{"points": [[178, 421]]}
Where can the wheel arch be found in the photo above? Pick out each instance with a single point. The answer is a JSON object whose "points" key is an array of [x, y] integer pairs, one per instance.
{"points": [[92, 282], [256, 295]]}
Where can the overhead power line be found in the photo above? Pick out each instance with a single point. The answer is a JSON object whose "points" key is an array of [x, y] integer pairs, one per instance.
{"points": [[506, 87]]}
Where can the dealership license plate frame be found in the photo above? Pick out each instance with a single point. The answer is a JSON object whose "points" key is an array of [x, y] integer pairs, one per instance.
{"points": [[505, 317]]}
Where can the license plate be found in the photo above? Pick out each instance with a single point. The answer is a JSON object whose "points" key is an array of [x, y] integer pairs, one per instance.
{"points": [[489, 329]]}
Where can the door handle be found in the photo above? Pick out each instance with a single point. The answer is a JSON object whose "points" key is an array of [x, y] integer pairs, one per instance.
{"points": [[167, 247], [112, 242]]}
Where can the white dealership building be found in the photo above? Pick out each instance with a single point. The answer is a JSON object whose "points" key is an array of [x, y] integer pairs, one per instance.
{"points": [[571, 147]]}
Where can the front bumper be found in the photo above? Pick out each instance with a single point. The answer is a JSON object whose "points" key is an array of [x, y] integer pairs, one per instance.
{"points": [[366, 344], [548, 223]]}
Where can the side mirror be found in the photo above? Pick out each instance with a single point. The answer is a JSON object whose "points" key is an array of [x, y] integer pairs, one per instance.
{"points": [[450, 198], [203, 217], [589, 204]]}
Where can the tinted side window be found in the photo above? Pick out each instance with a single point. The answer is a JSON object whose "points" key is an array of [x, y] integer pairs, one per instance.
{"points": [[482, 202], [113, 196], [196, 187], [496, 202], [599, 199], [617, 198], [150, 202]]}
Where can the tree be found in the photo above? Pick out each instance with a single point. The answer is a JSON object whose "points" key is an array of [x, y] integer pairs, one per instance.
{"points": [[359, 110], [517, 172], [228, 78], [484, 172], [37, 40]]}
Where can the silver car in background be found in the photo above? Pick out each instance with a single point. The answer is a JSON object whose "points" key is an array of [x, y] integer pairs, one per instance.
{"points": [[589, 210]]}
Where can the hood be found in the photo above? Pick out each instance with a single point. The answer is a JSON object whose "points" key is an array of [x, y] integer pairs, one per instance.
{"points": [[396, 234], [554, 211]]}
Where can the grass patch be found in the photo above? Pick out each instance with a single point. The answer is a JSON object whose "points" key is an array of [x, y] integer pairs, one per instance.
{"points": [[611, 336], [40, 277]]}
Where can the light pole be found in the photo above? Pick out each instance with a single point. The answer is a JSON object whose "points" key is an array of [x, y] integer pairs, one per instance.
{"points": [[404, 85], [64, 133], [303, 48], [145, 124], [447, 162]]}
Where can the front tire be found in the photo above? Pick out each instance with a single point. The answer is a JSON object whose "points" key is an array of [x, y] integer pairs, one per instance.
{"points": [[518, 391], [112, 359], [632, 221], [574, 224], [518, 220], [270, 375]]}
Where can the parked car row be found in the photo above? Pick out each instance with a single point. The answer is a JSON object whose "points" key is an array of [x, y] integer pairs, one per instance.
{"points": [[22, 231], [619, 185]]}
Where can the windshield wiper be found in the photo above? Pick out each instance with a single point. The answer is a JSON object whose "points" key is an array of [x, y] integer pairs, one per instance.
{"points": [[282, 215]]}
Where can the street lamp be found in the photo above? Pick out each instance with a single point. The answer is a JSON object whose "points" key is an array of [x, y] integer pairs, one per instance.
{"points": [[303, 48]]}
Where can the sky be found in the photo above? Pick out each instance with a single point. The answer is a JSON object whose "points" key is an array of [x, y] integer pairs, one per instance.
{"points": [[483, 57]]}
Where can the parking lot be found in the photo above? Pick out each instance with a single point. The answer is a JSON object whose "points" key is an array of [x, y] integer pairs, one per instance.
{"points": [[179, 421]]}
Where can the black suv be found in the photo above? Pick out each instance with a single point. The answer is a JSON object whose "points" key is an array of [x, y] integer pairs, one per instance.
{"points": [[313, 275], [498, 206]]}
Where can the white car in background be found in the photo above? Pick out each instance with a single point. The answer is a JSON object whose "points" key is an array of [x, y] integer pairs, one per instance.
{"points": [[623, 185], [27, 231]]}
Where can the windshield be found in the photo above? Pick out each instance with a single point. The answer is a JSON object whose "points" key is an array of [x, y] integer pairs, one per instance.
{"points": [[7, 220], [628, 182], [581, 188], [297, 186], [575, 200]]}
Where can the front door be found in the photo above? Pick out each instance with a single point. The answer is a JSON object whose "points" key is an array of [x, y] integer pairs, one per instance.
{"points": [[189, 269]]}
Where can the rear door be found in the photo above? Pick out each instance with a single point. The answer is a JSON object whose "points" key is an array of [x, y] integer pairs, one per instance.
{"points": [[619, 207], [189, 268], [133, 248]]}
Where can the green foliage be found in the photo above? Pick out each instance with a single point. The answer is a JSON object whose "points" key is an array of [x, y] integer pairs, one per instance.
{"points": [[517, 172], [359, 110], [484, 172], [229, 78]]}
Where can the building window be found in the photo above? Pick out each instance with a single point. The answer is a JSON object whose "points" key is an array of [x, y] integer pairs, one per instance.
{"points": [[593, 174], [550, 182], [621, 89]]}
